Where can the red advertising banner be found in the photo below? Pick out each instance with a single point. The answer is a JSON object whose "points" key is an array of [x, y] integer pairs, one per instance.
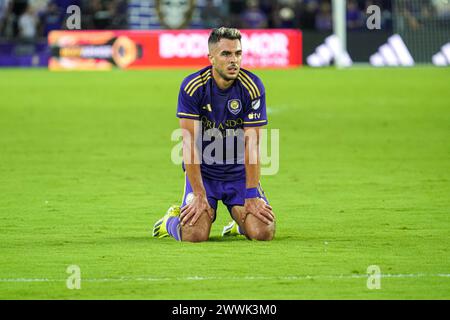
{"points": [[103, 50]]}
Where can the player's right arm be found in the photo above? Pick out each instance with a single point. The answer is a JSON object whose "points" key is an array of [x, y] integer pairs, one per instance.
{"points": [[189, 113], [191, 157]]}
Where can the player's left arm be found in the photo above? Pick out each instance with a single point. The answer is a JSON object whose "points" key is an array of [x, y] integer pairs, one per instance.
{"points": [[255, 119], [253, 203]]}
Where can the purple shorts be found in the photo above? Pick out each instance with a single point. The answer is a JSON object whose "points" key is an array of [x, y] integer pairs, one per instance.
{"points": [[231, 193]]}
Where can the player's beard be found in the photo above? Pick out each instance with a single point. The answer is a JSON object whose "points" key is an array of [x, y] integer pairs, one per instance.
{"points": [[225, 77]]}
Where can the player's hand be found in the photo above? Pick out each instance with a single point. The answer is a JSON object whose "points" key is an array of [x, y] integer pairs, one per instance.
{"points": [[260, 209], [191, 212]]}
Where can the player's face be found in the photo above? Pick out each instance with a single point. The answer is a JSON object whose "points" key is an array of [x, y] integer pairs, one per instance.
{"points": [[226, 58]]}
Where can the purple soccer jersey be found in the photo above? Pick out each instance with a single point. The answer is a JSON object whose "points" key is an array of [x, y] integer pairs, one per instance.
{"points": [[223, 115]]}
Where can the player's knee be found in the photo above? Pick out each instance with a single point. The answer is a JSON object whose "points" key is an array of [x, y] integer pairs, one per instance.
{"points": [[257, 230], [261, 234], [198, 236], [197, 233]]}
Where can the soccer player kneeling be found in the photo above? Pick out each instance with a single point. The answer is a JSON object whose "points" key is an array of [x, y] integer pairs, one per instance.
{"points": [[221, 109]]}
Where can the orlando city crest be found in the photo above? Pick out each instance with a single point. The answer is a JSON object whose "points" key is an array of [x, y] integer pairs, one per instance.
{"points": [[234, 106], [175, 14]]}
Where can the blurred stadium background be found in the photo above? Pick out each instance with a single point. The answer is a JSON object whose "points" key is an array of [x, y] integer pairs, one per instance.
{"points": [[85, 164], [423, 25]]}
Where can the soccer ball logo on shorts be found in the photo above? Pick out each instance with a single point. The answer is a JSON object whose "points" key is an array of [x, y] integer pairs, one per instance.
{"points": [[234, 106]]}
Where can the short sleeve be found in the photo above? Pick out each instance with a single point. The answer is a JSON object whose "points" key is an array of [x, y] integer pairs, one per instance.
{"points": [[187, 104], [256, 114]]}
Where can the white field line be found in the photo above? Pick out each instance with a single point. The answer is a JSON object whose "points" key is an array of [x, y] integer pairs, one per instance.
{"points": [[245, 278]]}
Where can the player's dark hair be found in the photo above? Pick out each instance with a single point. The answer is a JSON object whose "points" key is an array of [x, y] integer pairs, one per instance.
{"points": [[223, 33]]}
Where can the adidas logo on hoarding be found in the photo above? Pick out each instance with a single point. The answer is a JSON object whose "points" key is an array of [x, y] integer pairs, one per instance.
{"points": [[442, 58], [392, 54], [327, 52]]}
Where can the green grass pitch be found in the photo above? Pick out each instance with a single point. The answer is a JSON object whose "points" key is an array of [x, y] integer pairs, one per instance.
{"points": [[364, 180]]}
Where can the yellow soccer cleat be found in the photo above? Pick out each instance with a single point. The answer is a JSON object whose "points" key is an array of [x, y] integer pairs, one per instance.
{"points": [[231, 230], [160, 227]]}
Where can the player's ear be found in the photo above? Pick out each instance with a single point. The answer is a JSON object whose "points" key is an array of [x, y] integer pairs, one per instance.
{"points": [[211, 59]]}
